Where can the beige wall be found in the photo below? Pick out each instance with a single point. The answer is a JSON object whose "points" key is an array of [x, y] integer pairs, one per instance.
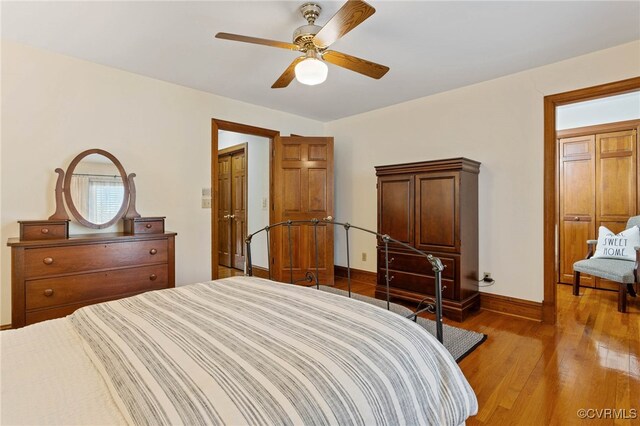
{"points": [[54, 107], [499, 123]]}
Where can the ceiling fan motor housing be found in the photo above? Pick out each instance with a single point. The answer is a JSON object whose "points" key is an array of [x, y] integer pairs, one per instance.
{"points": [[303, 35]]}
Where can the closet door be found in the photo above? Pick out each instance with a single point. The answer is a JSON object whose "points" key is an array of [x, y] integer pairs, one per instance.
{"points": [[616, 183], [577, 204], [224, 210], [238, 199]]}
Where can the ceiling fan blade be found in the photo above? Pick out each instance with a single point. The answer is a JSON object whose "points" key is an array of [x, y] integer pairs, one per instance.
{"points": [[256, 40], [350, 15], [362, 66], [288, 75]]}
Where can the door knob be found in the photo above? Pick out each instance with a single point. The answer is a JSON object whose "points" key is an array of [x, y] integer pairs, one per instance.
{"points": [[226, 216], [232, 216], [328, 218]]}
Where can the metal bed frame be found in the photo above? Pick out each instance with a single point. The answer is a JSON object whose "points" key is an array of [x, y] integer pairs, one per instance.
{"points": [[428, 304]]}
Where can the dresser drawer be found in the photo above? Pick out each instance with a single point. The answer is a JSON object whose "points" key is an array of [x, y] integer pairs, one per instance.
{"points": [[50, 292], [144, 225], [416, 264], [88, 257], [44, 230], [417, 283]]}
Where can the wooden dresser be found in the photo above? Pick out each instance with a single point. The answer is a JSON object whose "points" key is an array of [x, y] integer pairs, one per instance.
{"points": [[52, 278], [432, 206]]}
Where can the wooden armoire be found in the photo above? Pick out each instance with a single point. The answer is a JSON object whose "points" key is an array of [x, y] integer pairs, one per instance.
{"points": [[432, 206], [598, 186]]}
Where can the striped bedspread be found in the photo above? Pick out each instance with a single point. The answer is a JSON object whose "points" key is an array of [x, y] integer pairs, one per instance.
{"points": [[250, 351]]}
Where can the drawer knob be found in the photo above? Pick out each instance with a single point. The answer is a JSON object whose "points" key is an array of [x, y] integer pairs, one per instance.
{"points": [[577, 219], [48, 292], [45, 230], [153, 277], [47, 260], [153, 251], [148, 226]]}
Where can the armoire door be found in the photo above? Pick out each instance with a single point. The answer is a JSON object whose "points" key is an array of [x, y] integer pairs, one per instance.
{"points": [[437, 223], [616, 184], [303, 190], [577, 203], [395, 207]]}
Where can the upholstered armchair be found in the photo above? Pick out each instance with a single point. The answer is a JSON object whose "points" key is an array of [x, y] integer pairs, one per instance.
{"points": [[624, 272]]}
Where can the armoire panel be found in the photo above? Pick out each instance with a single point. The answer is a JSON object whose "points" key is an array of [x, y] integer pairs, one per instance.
{"points": [[395, 207], [436, 211]]}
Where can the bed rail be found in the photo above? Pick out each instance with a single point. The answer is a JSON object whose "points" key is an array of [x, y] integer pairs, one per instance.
{"points": [[428, 304]]}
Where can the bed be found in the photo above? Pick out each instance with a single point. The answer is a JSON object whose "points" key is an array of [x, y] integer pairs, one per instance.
{"points": [[240, 350]]}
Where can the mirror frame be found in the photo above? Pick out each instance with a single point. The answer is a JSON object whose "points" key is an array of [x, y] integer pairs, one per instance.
{"points": [[69, 200]]}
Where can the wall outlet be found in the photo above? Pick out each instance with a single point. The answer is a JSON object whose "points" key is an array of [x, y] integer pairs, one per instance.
{"points": [[206, 203], [487, 275], [364, 256], [264, 203]]}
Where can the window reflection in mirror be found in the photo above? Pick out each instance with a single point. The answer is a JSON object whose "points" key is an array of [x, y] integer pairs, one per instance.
{"points": [[97, 189]]}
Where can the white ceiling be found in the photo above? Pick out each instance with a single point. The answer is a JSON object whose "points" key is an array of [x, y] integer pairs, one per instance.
{"points": [[430, 46]]}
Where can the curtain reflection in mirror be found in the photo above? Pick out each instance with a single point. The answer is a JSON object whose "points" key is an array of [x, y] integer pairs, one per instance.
{"points": [[97, 197]]}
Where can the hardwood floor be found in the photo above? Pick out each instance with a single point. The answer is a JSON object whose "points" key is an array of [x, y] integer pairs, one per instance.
{"points": [[529, 373], [224, 272]]}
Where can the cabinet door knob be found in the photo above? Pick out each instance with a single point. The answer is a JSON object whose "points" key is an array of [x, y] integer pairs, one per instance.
{"points": [[48, 292], [153, 277], [328, 219], [47, 260], [148, 225], [577, 219], [45, 230], [153, 251]]}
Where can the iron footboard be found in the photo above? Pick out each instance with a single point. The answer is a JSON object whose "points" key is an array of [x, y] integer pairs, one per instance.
{"points": [[428, 304]]}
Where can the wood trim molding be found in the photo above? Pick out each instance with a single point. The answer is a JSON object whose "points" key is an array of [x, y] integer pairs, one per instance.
{"points": [[550, 178], [260, 272], [5, 327], [511, 306], [356, 274], [599, 128], [217, 125]]}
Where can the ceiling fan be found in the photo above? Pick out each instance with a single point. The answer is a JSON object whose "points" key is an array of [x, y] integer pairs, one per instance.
{"points": [[313, 41]]}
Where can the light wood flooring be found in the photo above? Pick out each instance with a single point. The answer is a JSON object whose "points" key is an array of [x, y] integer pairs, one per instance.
{"points": [[528, 373]]}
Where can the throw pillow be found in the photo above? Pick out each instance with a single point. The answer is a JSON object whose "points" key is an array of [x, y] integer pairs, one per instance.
{"points": [[620, 246]]}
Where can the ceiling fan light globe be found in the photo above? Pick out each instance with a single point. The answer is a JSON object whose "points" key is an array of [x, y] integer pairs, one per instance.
{"points": [[311, 71]]}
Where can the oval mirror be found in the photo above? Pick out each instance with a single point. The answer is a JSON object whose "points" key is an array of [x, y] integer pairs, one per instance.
{"points": [[96, 189]]}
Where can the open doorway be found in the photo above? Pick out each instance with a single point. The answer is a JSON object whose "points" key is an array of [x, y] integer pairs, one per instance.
{"points": [[241, 185], [552, 178]]}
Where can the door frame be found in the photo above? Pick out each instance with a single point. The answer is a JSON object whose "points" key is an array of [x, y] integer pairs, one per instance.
{"points": [[244, 149], [550, 178], [216, 126]]}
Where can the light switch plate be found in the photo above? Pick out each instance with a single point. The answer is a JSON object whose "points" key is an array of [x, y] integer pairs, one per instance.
{"points": [[206, 203], [206, 192]]}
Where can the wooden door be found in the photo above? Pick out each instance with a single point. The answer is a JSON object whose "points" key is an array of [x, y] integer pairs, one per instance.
{"points": [[577, 203], [396, 207], [437, 212], [302, 190], [232, 210], [238, 217], [224, 210], [616, 184]]}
